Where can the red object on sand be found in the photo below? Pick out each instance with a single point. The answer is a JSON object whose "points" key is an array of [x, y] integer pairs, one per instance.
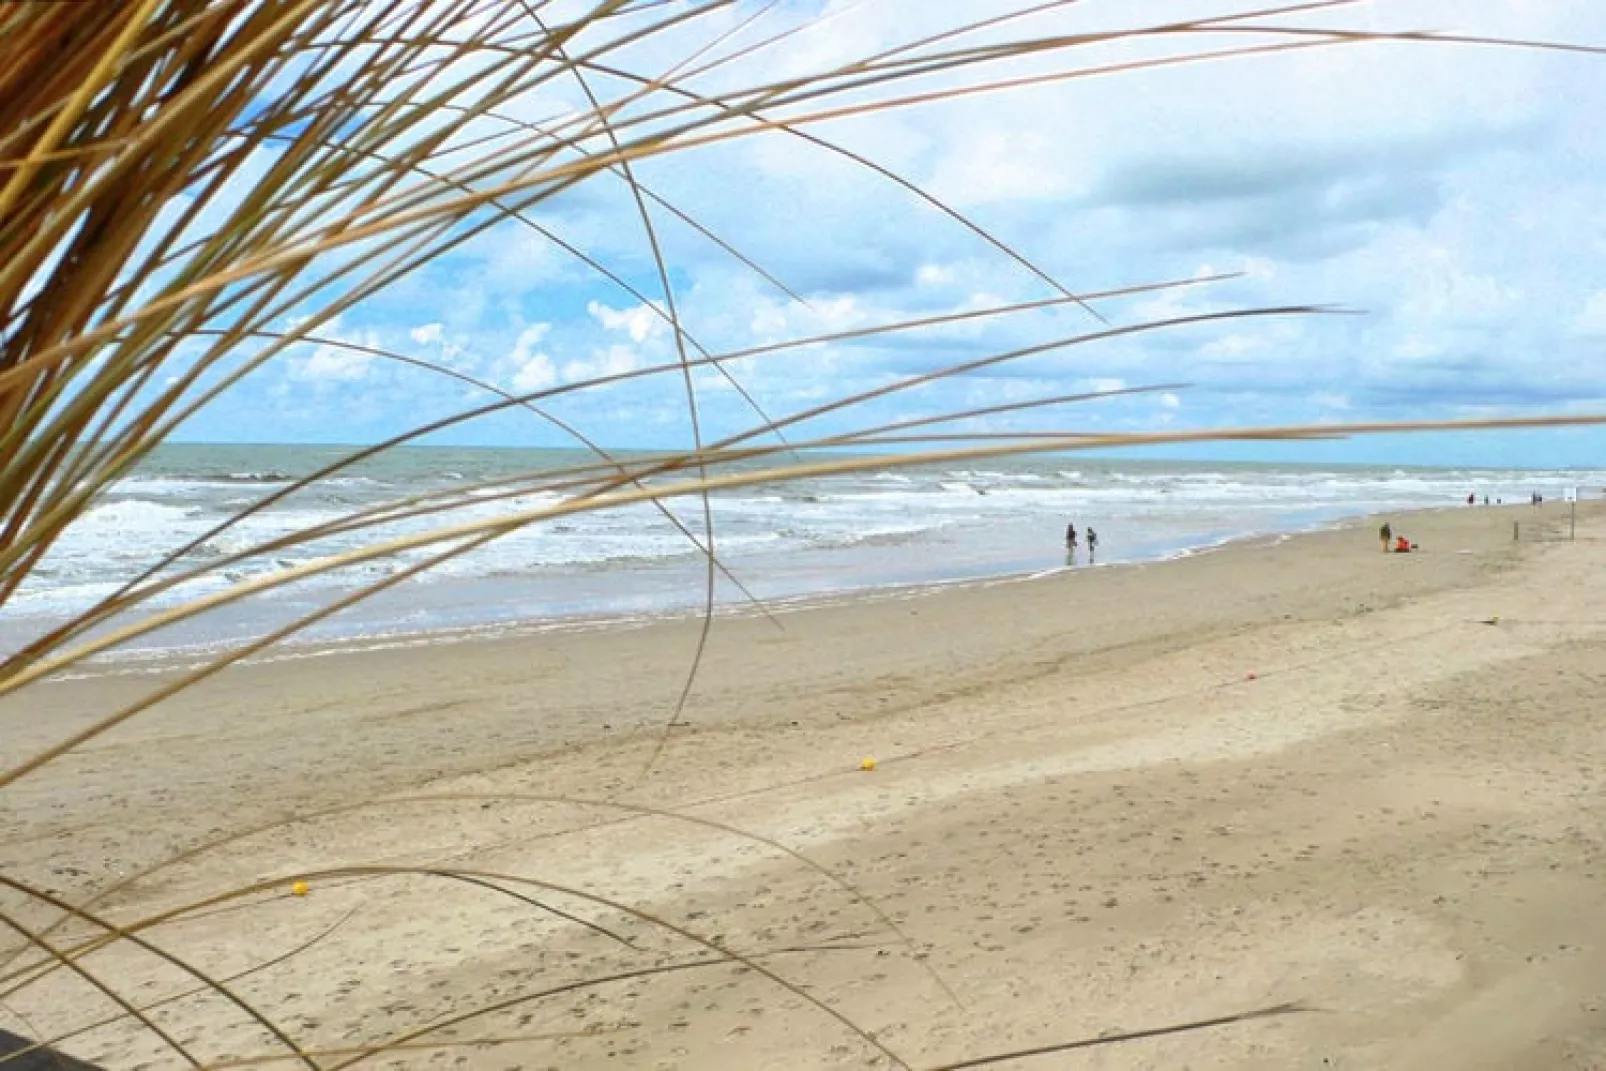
{"points": [[1251, 676]]}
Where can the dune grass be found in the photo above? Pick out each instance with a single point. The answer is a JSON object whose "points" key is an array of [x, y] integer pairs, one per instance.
{"points": [[190, 189]]}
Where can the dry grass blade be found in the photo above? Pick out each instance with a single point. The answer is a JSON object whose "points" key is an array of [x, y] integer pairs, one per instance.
{"points": [[1121, 1036], [265, 965], [385, 1048], [100, 986], [634, 809], [498, 881], [524, 999], [673, 314], [213, 984], [879, 432]]}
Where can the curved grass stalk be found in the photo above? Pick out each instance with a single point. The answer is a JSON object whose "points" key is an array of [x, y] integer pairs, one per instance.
{"points": [[213, 984], [94, 982], [283, 957], [497, 880], [489, 881], [1119, 1037], [673, 314], [363, 1052], [574, 987], [634, 810]]}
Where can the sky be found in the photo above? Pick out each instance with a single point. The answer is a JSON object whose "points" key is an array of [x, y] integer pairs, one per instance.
{"points": [[1448, 202]]}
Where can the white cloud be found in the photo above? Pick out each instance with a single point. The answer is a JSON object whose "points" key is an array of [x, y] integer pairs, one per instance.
{"points": [[1170, 401], [532, 370], [536, 373], [427, 334], [530, 337], [334, 365], [612, 361], [639, 322], [331, 364]]}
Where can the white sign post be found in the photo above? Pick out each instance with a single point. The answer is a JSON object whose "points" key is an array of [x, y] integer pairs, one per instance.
{"points": [[1570, 494]]}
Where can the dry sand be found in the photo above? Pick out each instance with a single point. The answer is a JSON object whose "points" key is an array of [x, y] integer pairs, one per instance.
{"points": [[1086, 818]]}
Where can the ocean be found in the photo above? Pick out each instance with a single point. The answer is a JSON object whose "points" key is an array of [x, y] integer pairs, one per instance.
{"points": [[828, 536]]}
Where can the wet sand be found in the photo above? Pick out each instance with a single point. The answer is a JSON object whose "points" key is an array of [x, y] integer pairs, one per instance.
{"points": [[1108, 800]]}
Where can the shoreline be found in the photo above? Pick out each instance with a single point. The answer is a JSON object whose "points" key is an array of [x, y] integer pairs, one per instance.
{"points": [[161, 660]]}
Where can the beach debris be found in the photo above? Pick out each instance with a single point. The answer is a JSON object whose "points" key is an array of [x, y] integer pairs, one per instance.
{"points": [[299, 888], [867, 764], [1495, 620], [1251, 676]]}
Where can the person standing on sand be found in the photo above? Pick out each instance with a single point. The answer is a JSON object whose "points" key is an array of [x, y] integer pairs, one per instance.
{"points": [[1092, 544], [1070, 543], [1387, 535]]}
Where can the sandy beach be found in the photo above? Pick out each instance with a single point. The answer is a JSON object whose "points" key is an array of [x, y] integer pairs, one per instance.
{"points": [[1365, 789]]}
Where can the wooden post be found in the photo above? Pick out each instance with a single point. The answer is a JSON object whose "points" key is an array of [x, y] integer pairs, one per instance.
{"points": [[1513, 531]]}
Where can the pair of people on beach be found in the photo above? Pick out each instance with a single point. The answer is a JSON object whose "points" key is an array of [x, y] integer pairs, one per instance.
{"points": [[1092, 541]]}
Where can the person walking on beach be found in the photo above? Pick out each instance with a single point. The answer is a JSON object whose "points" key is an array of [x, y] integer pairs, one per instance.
{"points": [[1092, 544], [1387, 535], [1070, 543]]}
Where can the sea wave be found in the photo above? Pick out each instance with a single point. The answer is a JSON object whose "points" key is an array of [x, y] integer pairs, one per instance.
{"points": [[818, 526]]}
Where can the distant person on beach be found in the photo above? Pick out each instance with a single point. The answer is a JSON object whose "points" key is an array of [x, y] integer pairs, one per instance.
{"points": [[1070, 536], [1092, 545], [1386, 534], [1485, 500], [1472, 500]]}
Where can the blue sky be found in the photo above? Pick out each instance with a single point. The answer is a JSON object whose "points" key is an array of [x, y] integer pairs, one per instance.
{"points": [[1453, 197]]}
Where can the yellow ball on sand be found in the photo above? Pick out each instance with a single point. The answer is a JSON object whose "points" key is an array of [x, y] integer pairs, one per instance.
{"points": [[867, 763], [299, 889]]}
